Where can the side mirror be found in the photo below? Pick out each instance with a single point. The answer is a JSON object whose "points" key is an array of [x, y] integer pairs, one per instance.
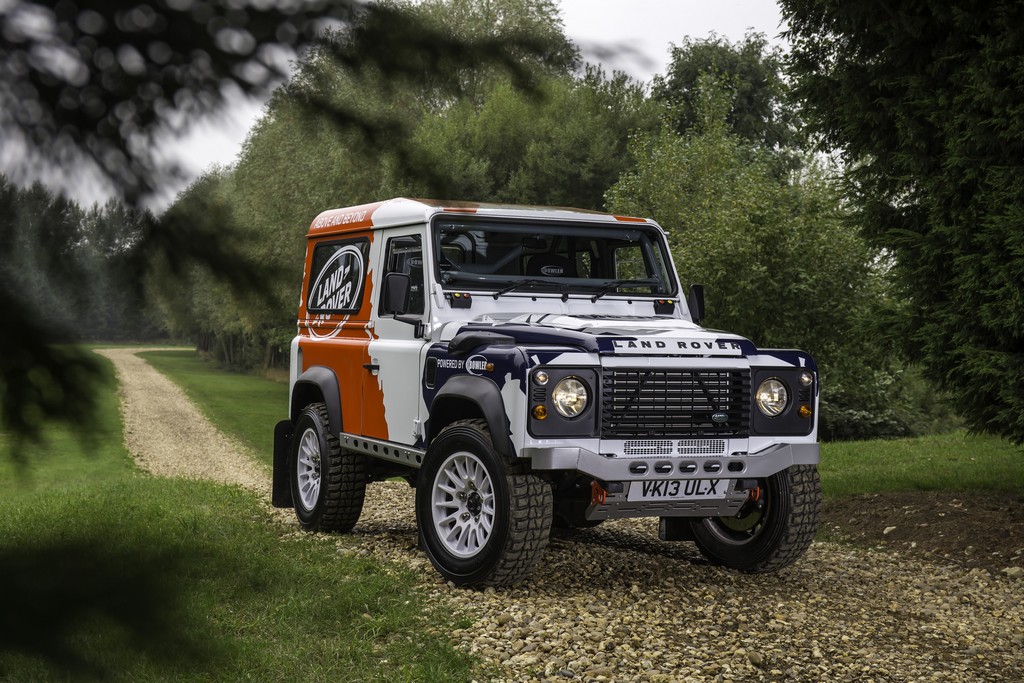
{"points": [[397, 288], [696, 303]]}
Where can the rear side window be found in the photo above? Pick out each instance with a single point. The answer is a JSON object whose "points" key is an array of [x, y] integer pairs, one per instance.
{"points": [[336, 276]]}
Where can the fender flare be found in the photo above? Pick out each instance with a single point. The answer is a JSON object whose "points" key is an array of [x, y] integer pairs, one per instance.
{"points": [[481, 392], [318, 381]]}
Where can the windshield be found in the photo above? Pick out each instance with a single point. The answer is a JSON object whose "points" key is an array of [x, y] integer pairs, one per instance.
{"points": [[517, 256]]}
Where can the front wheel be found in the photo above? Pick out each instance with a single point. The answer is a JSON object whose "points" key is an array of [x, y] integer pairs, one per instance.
{"points": [[774, 528], [479, 521]]}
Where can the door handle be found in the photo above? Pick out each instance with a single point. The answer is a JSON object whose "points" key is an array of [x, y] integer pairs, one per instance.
{"points": [[372, 367]]}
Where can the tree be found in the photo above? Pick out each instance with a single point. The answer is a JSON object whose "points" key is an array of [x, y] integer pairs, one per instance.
{"points": [[564, 148], [780, 264], [117, 307], [925, 102], [493, 19], [758, 112]]}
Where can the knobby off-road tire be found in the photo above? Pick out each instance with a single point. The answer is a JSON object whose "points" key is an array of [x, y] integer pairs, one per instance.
{"points": [[769, 539], [328, 482], [482, 520]]}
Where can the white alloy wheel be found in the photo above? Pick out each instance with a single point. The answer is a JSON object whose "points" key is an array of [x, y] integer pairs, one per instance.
{"points": [[328, 483], [307, 469], [463, 504], [481, 520]]}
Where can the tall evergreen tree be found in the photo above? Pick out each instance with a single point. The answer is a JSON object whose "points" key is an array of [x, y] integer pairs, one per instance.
{"points": [[925, 101]]}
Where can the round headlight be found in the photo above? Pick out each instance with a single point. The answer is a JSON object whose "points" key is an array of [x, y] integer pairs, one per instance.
{"points": [[771, 397], [570, 397]]}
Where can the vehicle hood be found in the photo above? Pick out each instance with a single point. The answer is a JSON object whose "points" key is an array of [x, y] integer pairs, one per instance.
{"points": [[619, 335]]}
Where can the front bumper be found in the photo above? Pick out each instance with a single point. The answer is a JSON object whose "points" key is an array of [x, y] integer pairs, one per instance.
{"points": [[737, 469], [609, 468]]}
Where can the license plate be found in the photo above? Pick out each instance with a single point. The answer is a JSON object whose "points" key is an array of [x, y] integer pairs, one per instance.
{"points": [[690, 489]]}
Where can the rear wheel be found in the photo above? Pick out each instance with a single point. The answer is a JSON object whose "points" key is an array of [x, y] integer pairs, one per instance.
{"points": [[774, 529], [328, 482], [480, 521]]}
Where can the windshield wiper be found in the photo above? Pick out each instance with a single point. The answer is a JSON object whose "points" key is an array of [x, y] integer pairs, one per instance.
{"points": [[521, 283], [615, 284]]}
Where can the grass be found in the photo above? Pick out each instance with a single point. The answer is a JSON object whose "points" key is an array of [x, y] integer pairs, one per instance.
{"points": [[244, 406], [955, 462], [113, 575], [69, 460]]}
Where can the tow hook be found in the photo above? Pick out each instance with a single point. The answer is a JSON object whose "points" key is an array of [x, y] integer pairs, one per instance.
{"points": [[753, 503]]}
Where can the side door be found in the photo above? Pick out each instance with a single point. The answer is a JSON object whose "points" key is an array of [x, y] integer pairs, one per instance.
{"points": [[395, 369], [334, 314]]}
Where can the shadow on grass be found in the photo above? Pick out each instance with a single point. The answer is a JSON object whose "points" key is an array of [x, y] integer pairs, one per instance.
{"points": [[80, 609]]}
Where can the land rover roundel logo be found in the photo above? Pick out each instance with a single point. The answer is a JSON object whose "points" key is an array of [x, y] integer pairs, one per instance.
{"points": [[553, 270], [719, 418], [340, 282]]}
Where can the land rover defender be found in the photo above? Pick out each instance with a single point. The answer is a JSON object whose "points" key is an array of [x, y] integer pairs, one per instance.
{"points": [[529, 366]]}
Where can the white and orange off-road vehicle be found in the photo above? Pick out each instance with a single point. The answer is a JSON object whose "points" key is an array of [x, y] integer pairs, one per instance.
{"points": [[524, 366]]}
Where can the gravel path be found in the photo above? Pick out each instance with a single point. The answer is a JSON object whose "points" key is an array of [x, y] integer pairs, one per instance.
{"points": [[614, 603], [166, 433]]}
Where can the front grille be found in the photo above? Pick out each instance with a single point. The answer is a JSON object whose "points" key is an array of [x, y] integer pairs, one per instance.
{"points": [[647, 447], [646, 403]]}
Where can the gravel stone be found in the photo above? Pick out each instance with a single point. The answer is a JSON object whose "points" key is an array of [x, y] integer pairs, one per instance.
{"points": [[614, 603]]}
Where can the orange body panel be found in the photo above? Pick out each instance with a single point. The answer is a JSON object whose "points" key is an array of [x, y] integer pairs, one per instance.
{"points": [[342, 343]]}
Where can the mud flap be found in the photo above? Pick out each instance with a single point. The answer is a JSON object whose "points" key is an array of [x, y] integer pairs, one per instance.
{"points": [[281, 491]]}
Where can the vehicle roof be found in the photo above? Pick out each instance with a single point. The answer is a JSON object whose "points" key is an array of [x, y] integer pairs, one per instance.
{"points": [[402, 211]]}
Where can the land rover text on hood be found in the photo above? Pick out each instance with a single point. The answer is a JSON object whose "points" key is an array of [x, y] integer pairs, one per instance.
{"points": [[526, 366]]}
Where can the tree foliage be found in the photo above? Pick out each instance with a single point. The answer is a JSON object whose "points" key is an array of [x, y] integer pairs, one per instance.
{"points": [[781, 266], [926, 103], [84, 82], [561, 142], [72, 269], [564, 147], [758, 111]]}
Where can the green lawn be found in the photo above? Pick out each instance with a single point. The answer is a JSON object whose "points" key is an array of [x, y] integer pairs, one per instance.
{"points": [[110, 574], [946, 462]]}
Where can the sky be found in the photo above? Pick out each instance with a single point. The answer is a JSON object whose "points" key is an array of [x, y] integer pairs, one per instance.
{"points": [[651, 26], [647, 28]]}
